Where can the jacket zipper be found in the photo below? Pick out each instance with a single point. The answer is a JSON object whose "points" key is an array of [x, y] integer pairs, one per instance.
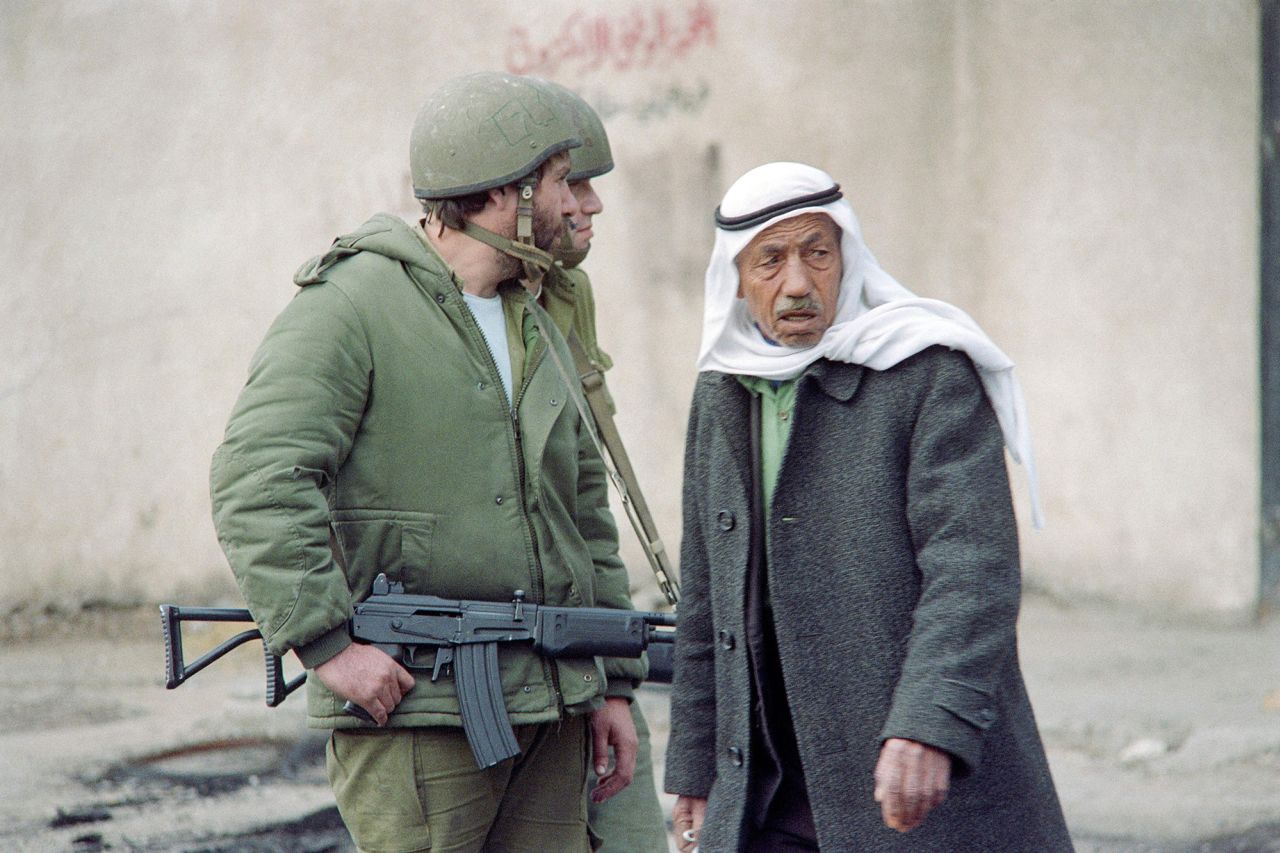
{"points": [[539, 579], [518, 441]]}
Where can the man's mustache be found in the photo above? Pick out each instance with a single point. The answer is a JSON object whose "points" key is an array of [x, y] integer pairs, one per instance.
{"points": [[787, 304]]}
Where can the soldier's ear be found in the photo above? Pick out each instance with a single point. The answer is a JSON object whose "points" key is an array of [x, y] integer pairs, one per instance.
{"points": [[502, 197]]}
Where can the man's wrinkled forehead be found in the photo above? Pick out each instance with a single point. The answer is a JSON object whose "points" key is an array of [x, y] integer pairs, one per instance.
{"points": [[806, 228]]}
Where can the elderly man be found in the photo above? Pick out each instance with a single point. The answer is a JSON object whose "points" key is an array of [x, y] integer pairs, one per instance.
{"points": [[846, 673]]}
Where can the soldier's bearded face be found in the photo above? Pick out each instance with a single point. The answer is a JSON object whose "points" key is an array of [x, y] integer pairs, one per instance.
{"points": [[552, 202]]}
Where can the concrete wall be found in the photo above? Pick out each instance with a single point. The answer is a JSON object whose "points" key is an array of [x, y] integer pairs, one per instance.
{"points": [[1118, 218], [1081, 176]]}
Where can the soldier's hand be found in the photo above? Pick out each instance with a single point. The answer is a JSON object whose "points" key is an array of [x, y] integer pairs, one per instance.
{"points": [[911, 779], [368, 677], [612, 726]]}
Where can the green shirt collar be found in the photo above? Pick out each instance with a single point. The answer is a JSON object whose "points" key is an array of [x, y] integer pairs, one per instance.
{"points": [[777, 408]]}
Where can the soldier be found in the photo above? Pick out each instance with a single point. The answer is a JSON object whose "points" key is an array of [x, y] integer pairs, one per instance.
{"points": [[402, 416], [632, 821]]}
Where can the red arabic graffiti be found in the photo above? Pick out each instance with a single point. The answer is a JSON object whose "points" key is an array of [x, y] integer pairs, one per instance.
{"points": [[644, 38]]}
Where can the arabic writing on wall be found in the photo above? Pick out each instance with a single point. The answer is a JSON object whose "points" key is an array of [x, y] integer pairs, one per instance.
{"points": [[658, 103], [648, 37]]}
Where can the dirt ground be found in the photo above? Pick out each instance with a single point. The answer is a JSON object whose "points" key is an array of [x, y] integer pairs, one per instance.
{"points": [[1163, 736]]}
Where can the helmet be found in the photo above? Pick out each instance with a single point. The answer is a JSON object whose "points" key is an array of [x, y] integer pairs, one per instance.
{"points": [[590, 160], [485, 130], [482, 131], [593, 158]]}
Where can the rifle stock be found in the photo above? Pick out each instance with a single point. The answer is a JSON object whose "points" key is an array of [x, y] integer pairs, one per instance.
{"points": [[177, 670]]}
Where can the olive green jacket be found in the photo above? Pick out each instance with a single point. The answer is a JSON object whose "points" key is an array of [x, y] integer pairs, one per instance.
{"points": [[373, 407], [569, 300]]}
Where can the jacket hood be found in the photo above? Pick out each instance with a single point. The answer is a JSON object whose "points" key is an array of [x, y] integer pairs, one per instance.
{"points": [[384, 234]]}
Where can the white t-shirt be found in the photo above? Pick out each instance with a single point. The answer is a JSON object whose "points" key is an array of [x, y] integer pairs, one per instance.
{"points": [[493, 324]]}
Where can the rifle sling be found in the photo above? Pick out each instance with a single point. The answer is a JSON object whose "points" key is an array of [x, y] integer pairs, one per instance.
{"points": [[592, 381]]}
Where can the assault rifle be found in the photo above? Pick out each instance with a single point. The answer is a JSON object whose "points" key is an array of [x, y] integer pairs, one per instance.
{"points": [[462, 635]]}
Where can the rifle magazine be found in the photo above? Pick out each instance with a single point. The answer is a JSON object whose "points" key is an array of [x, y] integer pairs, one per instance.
{"points": [[484, 711]]}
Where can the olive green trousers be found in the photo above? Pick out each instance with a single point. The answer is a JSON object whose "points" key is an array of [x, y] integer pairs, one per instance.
{"points": [[415, 790]]}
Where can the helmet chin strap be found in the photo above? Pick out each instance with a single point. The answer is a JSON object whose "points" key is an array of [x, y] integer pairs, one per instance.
{"points": [[535, 261], [534, 270]]}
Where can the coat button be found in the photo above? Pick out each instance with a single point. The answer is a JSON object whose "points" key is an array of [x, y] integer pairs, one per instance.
{"points": [[726, 519], [735, 756], [726, 639], [498, 500]]}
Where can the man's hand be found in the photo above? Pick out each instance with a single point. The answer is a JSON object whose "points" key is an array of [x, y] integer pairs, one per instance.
{"points": [[367, 676], [613, 726], [911, 779], [686, 820]]}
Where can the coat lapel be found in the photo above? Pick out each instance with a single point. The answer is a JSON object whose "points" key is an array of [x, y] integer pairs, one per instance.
{"points": [[837, 380], [731, 405]]}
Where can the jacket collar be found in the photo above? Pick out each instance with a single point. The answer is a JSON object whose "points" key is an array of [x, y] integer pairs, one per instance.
{"points": [[838, 380], [384, 235]]}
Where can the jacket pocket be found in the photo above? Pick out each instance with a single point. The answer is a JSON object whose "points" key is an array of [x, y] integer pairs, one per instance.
{"points": [[969, 702], [397, 543]]}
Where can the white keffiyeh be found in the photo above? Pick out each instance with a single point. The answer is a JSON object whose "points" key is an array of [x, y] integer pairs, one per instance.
{"points": [[878, 322]]}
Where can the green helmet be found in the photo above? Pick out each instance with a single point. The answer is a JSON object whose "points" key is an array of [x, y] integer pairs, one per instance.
{"points": [[485, 130], [593, 158], [590, 160]]}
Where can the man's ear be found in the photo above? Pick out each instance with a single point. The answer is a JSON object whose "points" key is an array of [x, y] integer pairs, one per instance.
{"points": [[502, 197]]}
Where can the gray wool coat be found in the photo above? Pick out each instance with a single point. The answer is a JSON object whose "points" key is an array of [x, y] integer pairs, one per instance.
{"points": [[894, 578]]}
